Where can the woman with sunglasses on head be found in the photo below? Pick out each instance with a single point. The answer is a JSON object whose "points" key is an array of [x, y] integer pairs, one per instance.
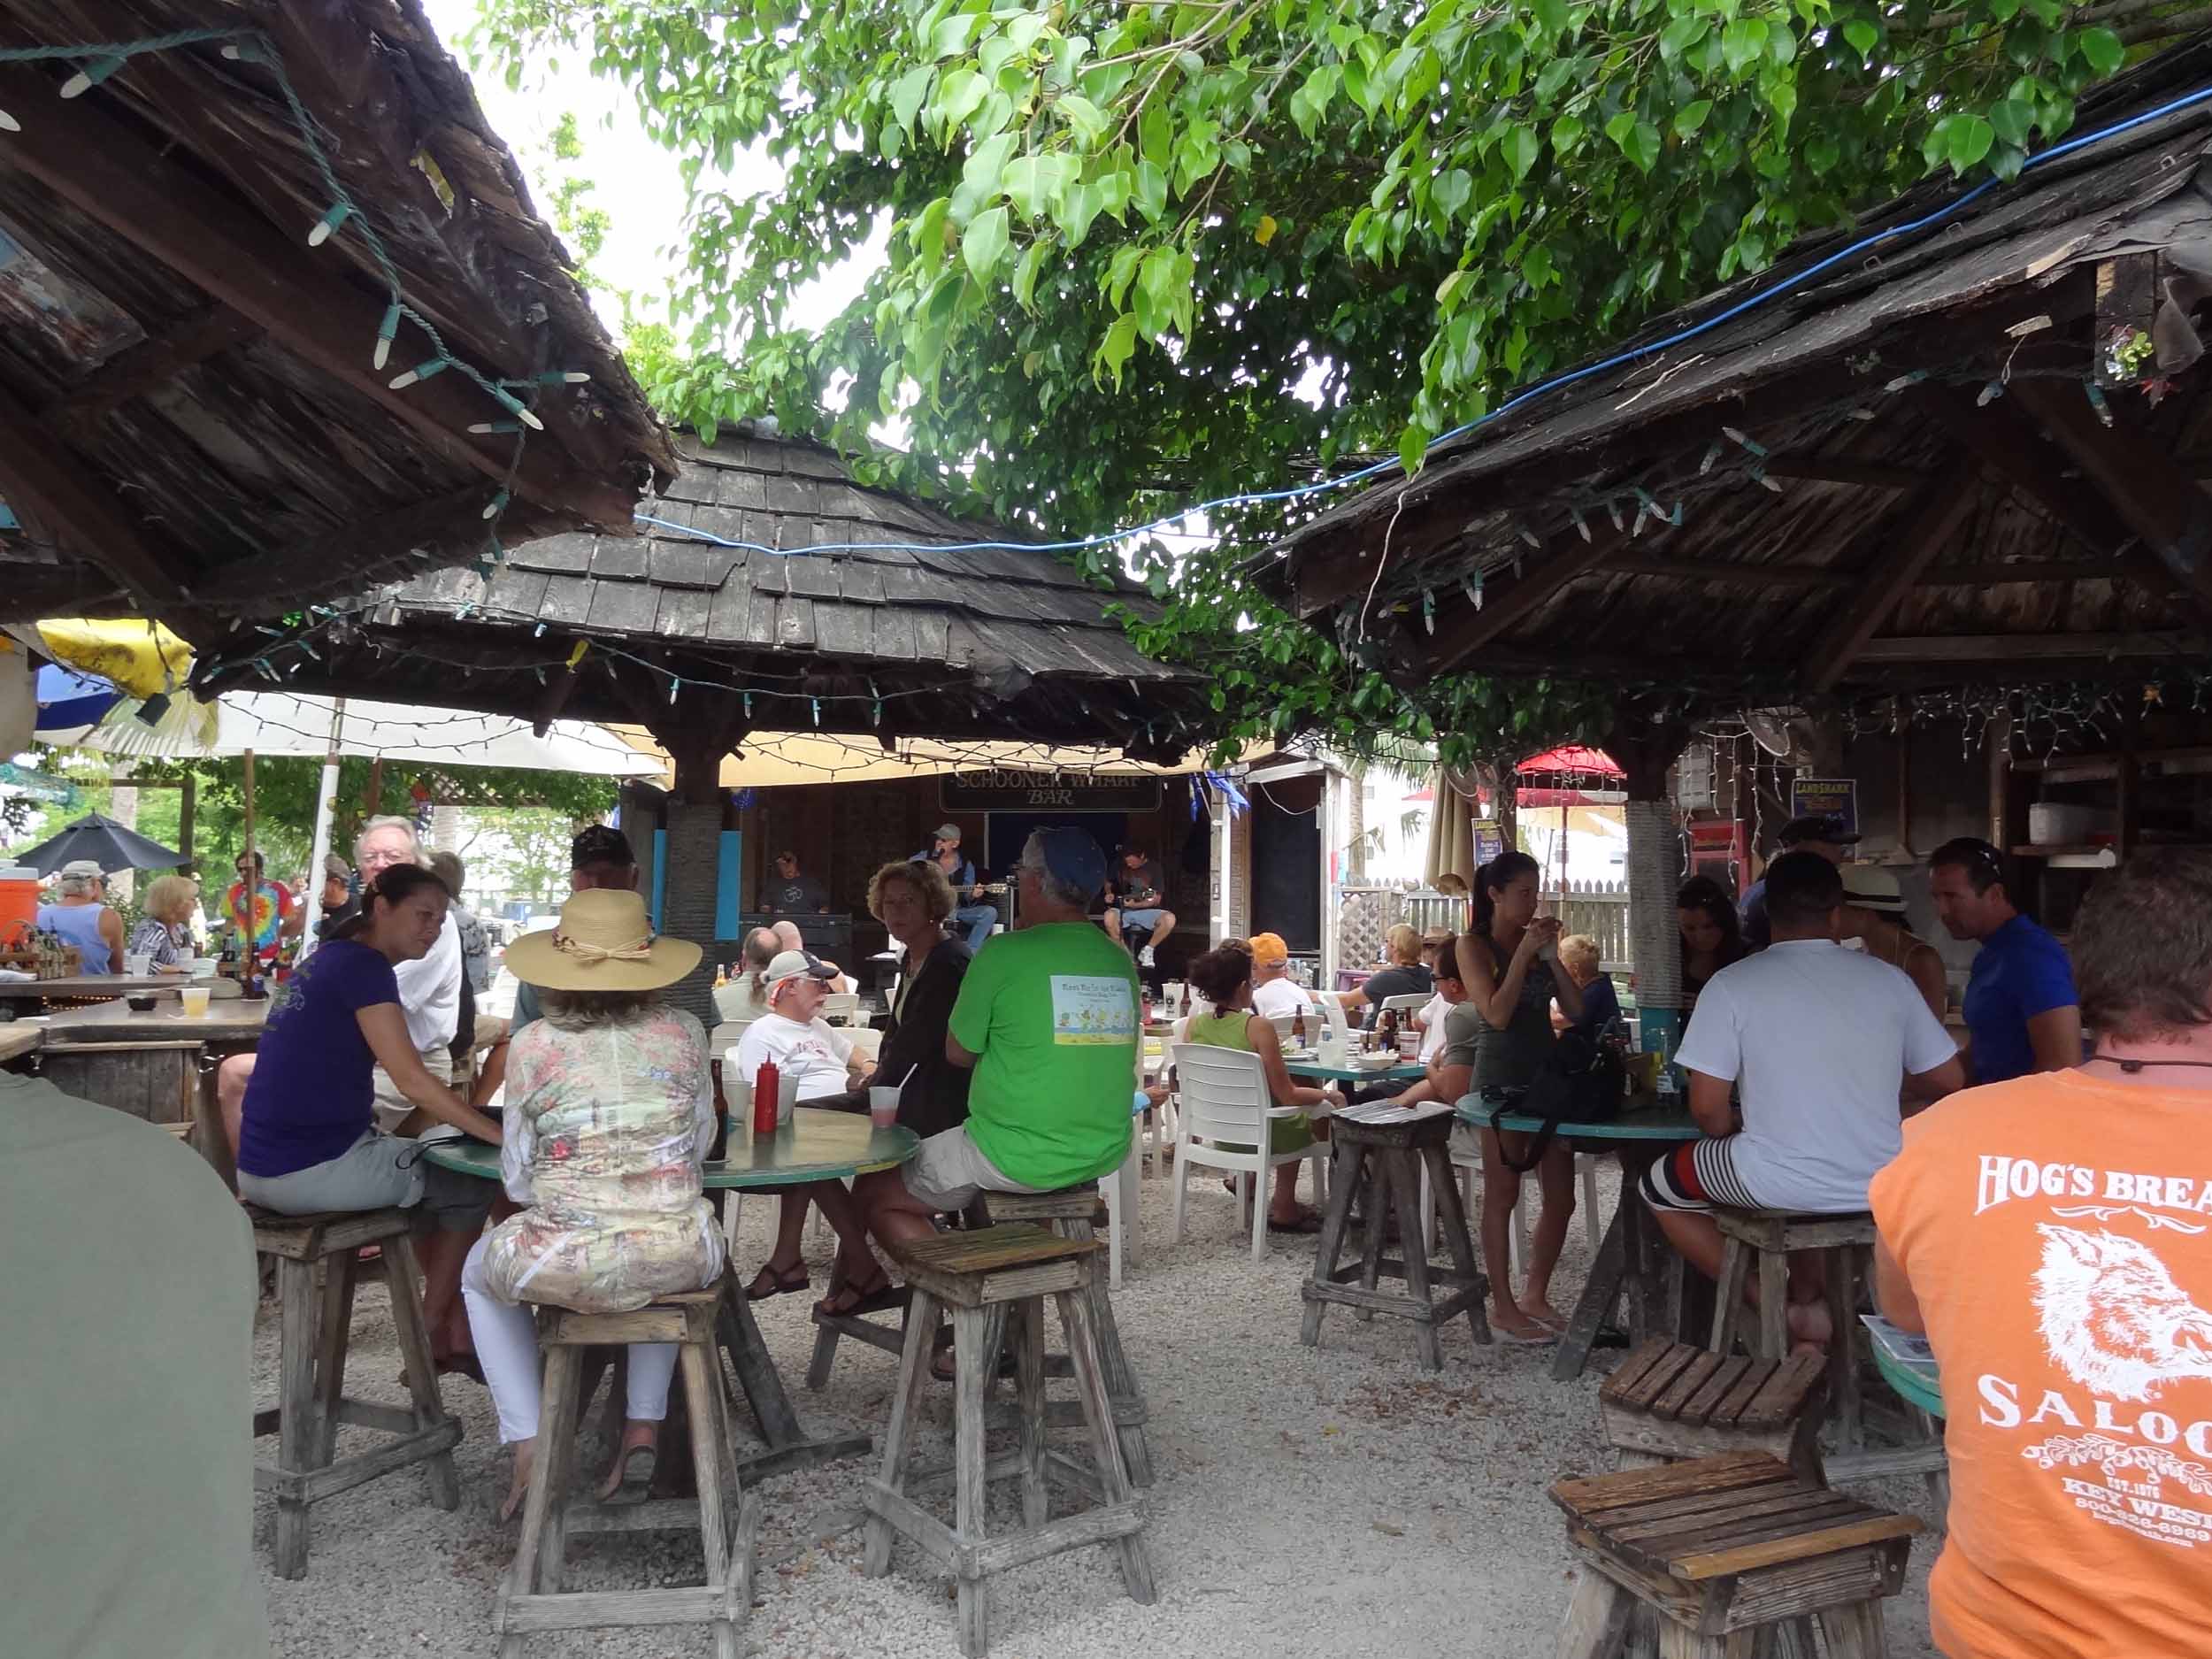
{"points": [[307, 1137]]}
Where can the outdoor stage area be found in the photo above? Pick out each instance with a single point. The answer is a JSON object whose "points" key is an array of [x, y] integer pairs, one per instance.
{"points": [[1338, 1502]]}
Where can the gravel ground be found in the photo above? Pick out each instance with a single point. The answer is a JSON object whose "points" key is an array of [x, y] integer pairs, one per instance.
{"points": [[1336, 1500]]}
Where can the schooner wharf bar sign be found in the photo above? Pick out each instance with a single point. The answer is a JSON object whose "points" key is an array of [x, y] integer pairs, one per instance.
{"points": [[1002, 790]]}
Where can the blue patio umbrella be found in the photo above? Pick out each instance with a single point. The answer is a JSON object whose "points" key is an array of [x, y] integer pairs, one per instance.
{"points": [[67, 700], [95, 836]]}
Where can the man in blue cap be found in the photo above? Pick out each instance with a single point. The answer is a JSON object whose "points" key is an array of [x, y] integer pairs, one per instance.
{"points": [[1048, 1018]]}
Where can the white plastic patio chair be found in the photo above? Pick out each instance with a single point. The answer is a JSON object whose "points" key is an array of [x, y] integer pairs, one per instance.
{"points": [[1226, 1105], [1467, 1166], [840, 1008]]}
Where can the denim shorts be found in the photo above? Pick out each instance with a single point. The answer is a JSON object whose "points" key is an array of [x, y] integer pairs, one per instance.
{"points": [[1141, 919]]}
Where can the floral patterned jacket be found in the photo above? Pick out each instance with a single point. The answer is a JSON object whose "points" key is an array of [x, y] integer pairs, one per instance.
{"points": [[606, 1128]]}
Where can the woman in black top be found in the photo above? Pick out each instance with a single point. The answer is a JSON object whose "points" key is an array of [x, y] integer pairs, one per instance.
{"points": [[914, 902], [1712, 936]]}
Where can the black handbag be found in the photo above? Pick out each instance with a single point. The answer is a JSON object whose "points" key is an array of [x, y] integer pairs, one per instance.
{"points": [[1581, 1081]]}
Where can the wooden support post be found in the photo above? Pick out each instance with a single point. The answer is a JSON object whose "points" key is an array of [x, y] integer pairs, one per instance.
{"points": [[252, 886], [189, 791], [697, 730]]}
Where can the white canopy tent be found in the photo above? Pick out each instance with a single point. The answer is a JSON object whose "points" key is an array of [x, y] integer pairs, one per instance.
{"points": [[256, 724]]}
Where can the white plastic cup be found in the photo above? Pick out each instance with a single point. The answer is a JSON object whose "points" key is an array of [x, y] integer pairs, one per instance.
{"points": [[883, 1105], [203, 967], [194, 997], [137, 964], [786, 1097]]}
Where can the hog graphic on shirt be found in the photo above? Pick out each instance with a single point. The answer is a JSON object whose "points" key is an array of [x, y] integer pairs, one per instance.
{"points": [[2112, 1317]]}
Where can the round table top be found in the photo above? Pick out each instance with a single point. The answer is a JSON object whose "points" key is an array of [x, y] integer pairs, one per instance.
{"points": [[814, 1146], [1914, 1386], [1650, 1122], [1312, 1069]]}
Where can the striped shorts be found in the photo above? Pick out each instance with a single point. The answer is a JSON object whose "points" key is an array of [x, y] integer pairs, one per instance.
{"points": [[1697, 1177]]}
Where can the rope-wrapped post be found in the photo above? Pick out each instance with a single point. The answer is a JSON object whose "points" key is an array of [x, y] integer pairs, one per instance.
{"points": [[694, 842], [1653, 865]]}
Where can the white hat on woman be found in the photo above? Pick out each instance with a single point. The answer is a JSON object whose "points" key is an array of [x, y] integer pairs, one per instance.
{"points": [[603, 942], [1871, 887]]}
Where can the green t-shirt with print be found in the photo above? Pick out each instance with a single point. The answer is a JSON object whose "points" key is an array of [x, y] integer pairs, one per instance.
{"points": [[1051, 1012]]}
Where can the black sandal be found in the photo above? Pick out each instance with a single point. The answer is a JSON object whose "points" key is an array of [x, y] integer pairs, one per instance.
{"points": [[637, 1477], [884, 1295], [768, 1282]]}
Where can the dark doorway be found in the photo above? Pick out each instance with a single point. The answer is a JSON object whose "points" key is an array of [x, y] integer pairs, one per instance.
{"points": [[1010, 832], [1286, 871]]}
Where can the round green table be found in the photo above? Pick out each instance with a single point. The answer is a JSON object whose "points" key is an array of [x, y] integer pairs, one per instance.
{"points": [[1914, 1385], [1310, 1070], [814, 1146]]}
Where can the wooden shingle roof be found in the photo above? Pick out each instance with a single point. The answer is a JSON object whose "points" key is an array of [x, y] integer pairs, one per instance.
{"points": [[193, 425], [840, 607]]}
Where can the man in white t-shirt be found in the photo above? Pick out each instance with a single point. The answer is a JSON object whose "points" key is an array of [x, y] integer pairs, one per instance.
{"points": [[819, 1055], [1818, 1039], [1274, 993], [823, 1059]]}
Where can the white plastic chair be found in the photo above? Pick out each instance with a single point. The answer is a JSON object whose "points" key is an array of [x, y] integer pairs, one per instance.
{"points": [[840, 1008], [1340, 1023], [1466, 1166], [1225, 1104]]}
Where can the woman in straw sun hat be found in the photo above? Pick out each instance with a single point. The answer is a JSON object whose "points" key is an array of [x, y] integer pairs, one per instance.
{"points": [[1874, 915], [610, 1109]]}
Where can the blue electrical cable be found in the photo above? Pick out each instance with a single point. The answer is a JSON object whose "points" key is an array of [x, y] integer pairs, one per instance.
{"points": [[1569, 377]]}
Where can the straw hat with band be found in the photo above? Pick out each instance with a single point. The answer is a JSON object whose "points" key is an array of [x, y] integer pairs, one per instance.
{"points": [[601, 943], [1873, 888]]}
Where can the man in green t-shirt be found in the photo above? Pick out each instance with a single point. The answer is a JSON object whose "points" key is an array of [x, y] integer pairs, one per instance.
{"points": [[1048, 1018]]}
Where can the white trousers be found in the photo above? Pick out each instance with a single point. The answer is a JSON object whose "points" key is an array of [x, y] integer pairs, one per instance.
{"points": [[506, 1335]]}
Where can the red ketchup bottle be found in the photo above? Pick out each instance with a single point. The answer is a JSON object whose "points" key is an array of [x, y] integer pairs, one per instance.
{"points": [[767, 1083]]}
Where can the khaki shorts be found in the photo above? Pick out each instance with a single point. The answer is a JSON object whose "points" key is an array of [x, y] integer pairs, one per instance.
{"points": [[393, 1107], [949, 1170]]}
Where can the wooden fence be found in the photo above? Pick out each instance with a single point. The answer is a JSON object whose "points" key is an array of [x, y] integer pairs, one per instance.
{"points": [[1364, 914]]}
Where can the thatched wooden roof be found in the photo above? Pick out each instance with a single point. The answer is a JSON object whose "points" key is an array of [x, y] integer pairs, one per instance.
{"points": [[900, 629], [191, 425], [1859, 510]]}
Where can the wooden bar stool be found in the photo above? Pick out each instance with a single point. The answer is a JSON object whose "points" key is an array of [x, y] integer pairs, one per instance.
{"points": [[1670, 1400], [315, 1327], [531, 1598], [1395, 1155], [1072, 1212], [1725, 1549], [1012, 1267]]}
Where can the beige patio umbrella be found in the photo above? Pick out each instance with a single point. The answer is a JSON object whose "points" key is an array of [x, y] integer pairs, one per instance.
{"points": [[1451, 828]]}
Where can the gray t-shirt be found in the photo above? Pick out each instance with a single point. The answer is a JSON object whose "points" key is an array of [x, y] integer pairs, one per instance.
{"points": [[800, 895], [124, 1422], [1138, 888], [1463, 1026]]}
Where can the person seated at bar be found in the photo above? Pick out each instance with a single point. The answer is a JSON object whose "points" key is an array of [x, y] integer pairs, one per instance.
{"points": [[745, 998], [788, 938], [1711, 937], [1508, 964], [80, 916], [820, 1057], [610, 1110], [916, 906], [1819, 1041], [1274, 993], [1447, 1074], [307, 1136], [1046, 1017], [2048, 1235], [973, 911], [1874, 915], [1818, 832], [1601, 1003], [1136, 904], [2021, 1012], [164, 936], [1406, 975], [1224, 978]]}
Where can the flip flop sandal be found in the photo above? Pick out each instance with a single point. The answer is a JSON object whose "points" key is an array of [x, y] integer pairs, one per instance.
{"points": [[637, 1477], [1307, 1223], [883, 1296], [778, 1284], [1518, 1340]]}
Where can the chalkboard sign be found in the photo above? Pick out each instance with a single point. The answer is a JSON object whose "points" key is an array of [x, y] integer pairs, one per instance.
{"points": [[1006, 790]]}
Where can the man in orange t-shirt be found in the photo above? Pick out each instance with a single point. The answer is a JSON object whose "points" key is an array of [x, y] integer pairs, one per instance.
{"points": [[2052, 1236]]}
